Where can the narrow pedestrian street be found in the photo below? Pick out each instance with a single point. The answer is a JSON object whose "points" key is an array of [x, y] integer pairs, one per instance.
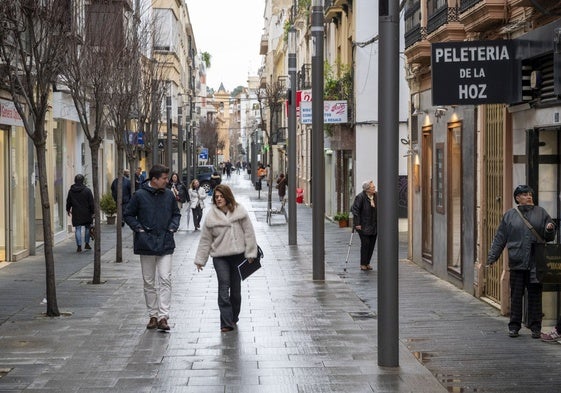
{"points": [[294, 334]]}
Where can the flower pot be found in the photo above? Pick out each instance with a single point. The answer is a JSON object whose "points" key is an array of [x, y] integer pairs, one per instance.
{"points": [[343, 223], [111, 220]]}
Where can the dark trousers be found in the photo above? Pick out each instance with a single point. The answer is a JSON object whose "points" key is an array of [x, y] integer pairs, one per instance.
{"points": [[367, 243], [197, 215], [229, 288], [520, 279]]}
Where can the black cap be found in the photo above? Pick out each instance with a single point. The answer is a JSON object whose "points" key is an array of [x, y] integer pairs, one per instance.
{"points": [[521, 189]]}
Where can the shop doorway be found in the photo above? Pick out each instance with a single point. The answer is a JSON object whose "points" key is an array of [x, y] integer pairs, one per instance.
{"points": [[427, 187], [544, 169], [3, 191]]}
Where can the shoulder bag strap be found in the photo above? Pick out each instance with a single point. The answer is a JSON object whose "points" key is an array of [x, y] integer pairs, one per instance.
{"points": [[530, 226]]}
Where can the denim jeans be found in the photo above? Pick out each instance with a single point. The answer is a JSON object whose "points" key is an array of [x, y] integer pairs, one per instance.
{"points": [[78, 234], [229, 288], [156, 273]]}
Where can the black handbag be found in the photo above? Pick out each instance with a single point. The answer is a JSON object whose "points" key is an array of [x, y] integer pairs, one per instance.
{"points": [[547, 257], [548, 262]]}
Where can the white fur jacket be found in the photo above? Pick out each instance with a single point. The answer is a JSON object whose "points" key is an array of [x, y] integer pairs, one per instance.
{"points": [[226, 234]]}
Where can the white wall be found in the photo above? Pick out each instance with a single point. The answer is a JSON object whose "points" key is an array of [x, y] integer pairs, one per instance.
{"points": [[366, 93]]}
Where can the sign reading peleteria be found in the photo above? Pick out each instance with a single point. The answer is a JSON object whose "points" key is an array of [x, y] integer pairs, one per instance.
{"points": [[473, 72]]}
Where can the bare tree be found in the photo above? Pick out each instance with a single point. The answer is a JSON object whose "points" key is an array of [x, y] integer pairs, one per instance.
{"points": [[273, 96], [87, 75], [31, 47], [208, 137]]}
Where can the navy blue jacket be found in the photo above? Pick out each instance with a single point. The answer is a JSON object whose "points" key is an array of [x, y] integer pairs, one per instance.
{"points": [[154, 217]]}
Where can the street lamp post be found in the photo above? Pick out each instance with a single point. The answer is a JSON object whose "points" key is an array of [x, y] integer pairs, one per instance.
{"points": [[179, 141], [318, 164], [169, 133], [388, 142], [292, 229]]}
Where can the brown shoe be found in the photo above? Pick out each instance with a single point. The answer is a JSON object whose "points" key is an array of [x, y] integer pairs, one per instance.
{"points": [[79, 249], [163, 324], [153, 324], [87, 247]]}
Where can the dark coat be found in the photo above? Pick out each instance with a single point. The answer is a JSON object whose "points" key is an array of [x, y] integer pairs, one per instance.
{"points": [[365, 215], [154, 217], [182, 194], [80, 203], [127, 190], [517, 237]]}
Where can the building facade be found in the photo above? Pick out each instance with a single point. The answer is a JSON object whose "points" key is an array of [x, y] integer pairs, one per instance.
{"points": [[467, 158]]}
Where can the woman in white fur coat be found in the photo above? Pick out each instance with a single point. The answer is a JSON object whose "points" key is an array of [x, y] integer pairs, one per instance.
{"points": [[229, 238]]}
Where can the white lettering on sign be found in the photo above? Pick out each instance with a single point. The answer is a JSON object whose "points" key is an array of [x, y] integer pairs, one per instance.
{"points": [[467, 73], [471, 53], [472, 91]]}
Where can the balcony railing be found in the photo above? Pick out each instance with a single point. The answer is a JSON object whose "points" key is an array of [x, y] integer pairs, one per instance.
{"points": [[305, 77], [412, 36], [439, 18], [467, 4]]}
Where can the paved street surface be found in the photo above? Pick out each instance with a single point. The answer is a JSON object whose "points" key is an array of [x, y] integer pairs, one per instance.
{"points": [[294, 334]]}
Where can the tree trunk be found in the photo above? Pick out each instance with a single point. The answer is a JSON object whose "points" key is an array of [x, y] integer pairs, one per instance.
{"points": [[94, 148], [119, 228], [52, 306]]}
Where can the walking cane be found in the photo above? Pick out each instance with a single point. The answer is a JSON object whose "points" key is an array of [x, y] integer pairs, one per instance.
{"points": [[349, 249]]}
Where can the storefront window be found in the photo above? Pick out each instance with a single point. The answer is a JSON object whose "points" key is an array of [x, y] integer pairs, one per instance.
{"points": [[19, 190], [59, 206]]}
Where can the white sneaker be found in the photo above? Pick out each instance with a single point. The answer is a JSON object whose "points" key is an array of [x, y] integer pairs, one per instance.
{"points": [[551, 337]]}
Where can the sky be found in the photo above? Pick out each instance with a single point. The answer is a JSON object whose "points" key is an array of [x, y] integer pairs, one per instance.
{"points": [[230, 31]]}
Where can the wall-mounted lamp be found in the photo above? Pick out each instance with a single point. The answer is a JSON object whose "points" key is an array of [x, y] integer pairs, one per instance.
{"points": [[440, 111]]}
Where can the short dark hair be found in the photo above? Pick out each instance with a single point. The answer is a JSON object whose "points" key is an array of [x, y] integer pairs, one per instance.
{"points": [[79, 179], [227, 194], [157, 171]]}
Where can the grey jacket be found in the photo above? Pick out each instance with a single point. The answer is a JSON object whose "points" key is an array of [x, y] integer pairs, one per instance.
{"points": [[517, 237]]}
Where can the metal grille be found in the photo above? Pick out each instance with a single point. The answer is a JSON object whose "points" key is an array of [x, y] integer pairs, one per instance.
{"points": [[494, 206]]}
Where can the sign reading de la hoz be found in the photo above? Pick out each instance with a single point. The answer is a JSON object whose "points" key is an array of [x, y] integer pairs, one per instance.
{"points": [[473, 72]]}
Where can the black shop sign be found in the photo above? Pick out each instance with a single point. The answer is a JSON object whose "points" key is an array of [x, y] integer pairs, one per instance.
{"points": [[473, 72]]}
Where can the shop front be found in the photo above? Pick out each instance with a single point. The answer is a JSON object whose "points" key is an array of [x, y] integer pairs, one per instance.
{"points": [[14, 185]]}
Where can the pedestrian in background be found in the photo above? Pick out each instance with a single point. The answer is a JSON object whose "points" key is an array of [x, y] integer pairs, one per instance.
{"points": [[197, 195], [515, 234], [365, 221], [127, 191], [229, 238], [281, 186], [153, 215], [179, 190], [80, 205], [139, 178]]}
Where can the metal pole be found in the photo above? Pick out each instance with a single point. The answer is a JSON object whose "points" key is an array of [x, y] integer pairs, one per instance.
{"points": [[179, 141], [188, 157], [388, 141], [169, 134], [318, 169], [155, 142], [292, 229]]}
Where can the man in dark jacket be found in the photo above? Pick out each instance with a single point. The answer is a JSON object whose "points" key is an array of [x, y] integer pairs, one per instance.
{"points": [[153, 214], [514, 234], [80, 204], [365, 221], [127, 191]]}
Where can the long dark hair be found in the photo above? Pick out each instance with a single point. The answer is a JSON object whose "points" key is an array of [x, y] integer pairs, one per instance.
{"points": [[228, 196]]}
